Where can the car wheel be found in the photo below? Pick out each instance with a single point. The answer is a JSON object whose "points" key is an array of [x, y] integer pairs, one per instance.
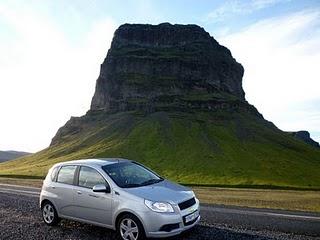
{"points": [[49, 214], [130, 228]]}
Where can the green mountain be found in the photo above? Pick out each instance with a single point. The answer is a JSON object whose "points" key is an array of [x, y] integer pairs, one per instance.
{"points": [[171, 97], [9, 155]]}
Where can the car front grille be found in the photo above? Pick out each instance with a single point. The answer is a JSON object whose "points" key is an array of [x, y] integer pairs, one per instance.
{"points": [[187, 204]]}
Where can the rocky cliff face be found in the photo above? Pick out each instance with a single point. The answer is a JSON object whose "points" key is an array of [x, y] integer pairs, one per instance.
{"points": [[156, 67]]}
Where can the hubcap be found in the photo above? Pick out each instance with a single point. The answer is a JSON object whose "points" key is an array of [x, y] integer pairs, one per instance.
{"points": [[48, 213], [129, 229]]}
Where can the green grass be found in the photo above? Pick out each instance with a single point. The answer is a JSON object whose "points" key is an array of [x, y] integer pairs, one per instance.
{"points": [[272, 199], [22, 181], [221, 148]]}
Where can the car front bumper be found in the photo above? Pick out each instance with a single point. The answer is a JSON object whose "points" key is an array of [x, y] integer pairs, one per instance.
{"points": [[182, 228], [153, 222]]}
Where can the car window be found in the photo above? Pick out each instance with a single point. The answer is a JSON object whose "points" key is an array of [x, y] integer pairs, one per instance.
{"points": [[54, 174], [131, 174], [88, 177], [136, 171], [66, 174]]}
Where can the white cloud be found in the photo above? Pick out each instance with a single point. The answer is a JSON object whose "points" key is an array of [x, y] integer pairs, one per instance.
{"points": [[236, 7], [259, 4], [281, 59], [44, 78], [226, 10]]}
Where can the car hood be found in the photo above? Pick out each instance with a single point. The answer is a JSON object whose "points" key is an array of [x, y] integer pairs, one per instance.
{"points": [[164, 191]]}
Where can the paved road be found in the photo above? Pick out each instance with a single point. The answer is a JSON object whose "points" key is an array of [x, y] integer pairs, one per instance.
{"points": [[19, 212]]}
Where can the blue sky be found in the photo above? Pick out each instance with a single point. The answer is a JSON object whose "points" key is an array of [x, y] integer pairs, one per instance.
{"points": [[51, 52]]}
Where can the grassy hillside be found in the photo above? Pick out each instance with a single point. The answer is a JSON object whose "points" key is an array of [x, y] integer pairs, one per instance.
{"points": [[227, 148]]}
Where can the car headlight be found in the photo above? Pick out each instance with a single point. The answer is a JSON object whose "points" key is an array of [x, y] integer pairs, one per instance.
{"points": [[161, 207]]}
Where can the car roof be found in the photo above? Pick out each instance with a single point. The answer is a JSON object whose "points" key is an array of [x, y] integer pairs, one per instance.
{"points": [[94, 161]]}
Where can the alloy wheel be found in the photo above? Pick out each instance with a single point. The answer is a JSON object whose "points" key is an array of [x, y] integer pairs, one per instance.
{"points": [[48, 213], [129, 229]]}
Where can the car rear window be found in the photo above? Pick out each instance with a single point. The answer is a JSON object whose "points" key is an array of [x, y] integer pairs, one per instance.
{"points": [[66, 174], [54, 174]]}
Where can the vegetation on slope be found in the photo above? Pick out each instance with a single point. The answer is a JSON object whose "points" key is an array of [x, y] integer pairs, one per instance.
{"points": [[224, 148]]}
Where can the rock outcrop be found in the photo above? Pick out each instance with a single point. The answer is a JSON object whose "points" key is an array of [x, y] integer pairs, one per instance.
{"points": [[305, 137], [165, 66]]}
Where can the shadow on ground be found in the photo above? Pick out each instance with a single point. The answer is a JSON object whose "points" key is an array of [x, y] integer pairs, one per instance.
{"points": [[86, 231]]}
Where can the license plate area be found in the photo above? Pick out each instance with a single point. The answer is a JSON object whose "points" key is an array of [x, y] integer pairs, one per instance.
{"points": [[191, 218]]}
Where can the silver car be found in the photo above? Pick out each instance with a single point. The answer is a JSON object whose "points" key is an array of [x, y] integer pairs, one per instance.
{"points": [[119, 194]]}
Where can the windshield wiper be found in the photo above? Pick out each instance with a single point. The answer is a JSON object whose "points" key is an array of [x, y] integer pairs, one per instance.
{"points": [[151, 181], [131, 185]]}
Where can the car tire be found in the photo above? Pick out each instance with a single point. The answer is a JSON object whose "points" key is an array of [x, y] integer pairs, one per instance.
{"points": [[129, 227], [49, 214]]}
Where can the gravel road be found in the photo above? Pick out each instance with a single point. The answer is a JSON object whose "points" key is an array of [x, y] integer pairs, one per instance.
{"points": [[20, 218]]}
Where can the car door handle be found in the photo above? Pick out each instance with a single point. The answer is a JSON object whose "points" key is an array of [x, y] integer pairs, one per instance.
{"points": [[79, 192], [53, 187], [95, 196]]}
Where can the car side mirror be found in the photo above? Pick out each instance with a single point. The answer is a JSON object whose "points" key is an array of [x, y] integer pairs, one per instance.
{"points": [[101, 188]]}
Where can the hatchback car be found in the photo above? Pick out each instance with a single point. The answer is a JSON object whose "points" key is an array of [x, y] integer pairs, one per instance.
{"points": [[119, 194]]}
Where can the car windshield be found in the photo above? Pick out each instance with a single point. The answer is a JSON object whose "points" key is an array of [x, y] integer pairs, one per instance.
{"points": [[130, 174]]}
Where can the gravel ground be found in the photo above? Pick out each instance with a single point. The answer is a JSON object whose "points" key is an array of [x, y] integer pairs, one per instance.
{"points": [[20, 218]]}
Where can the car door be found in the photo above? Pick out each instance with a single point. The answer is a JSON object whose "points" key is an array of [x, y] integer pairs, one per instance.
{"points": [[88, 205], [63, 190]]}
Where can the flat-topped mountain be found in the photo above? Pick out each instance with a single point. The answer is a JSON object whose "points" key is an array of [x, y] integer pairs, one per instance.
{"points": [[171, 97], [157, 67]]}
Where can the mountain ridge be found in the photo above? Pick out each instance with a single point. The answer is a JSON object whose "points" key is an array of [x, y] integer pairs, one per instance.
{"points": [[9, 155]]}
